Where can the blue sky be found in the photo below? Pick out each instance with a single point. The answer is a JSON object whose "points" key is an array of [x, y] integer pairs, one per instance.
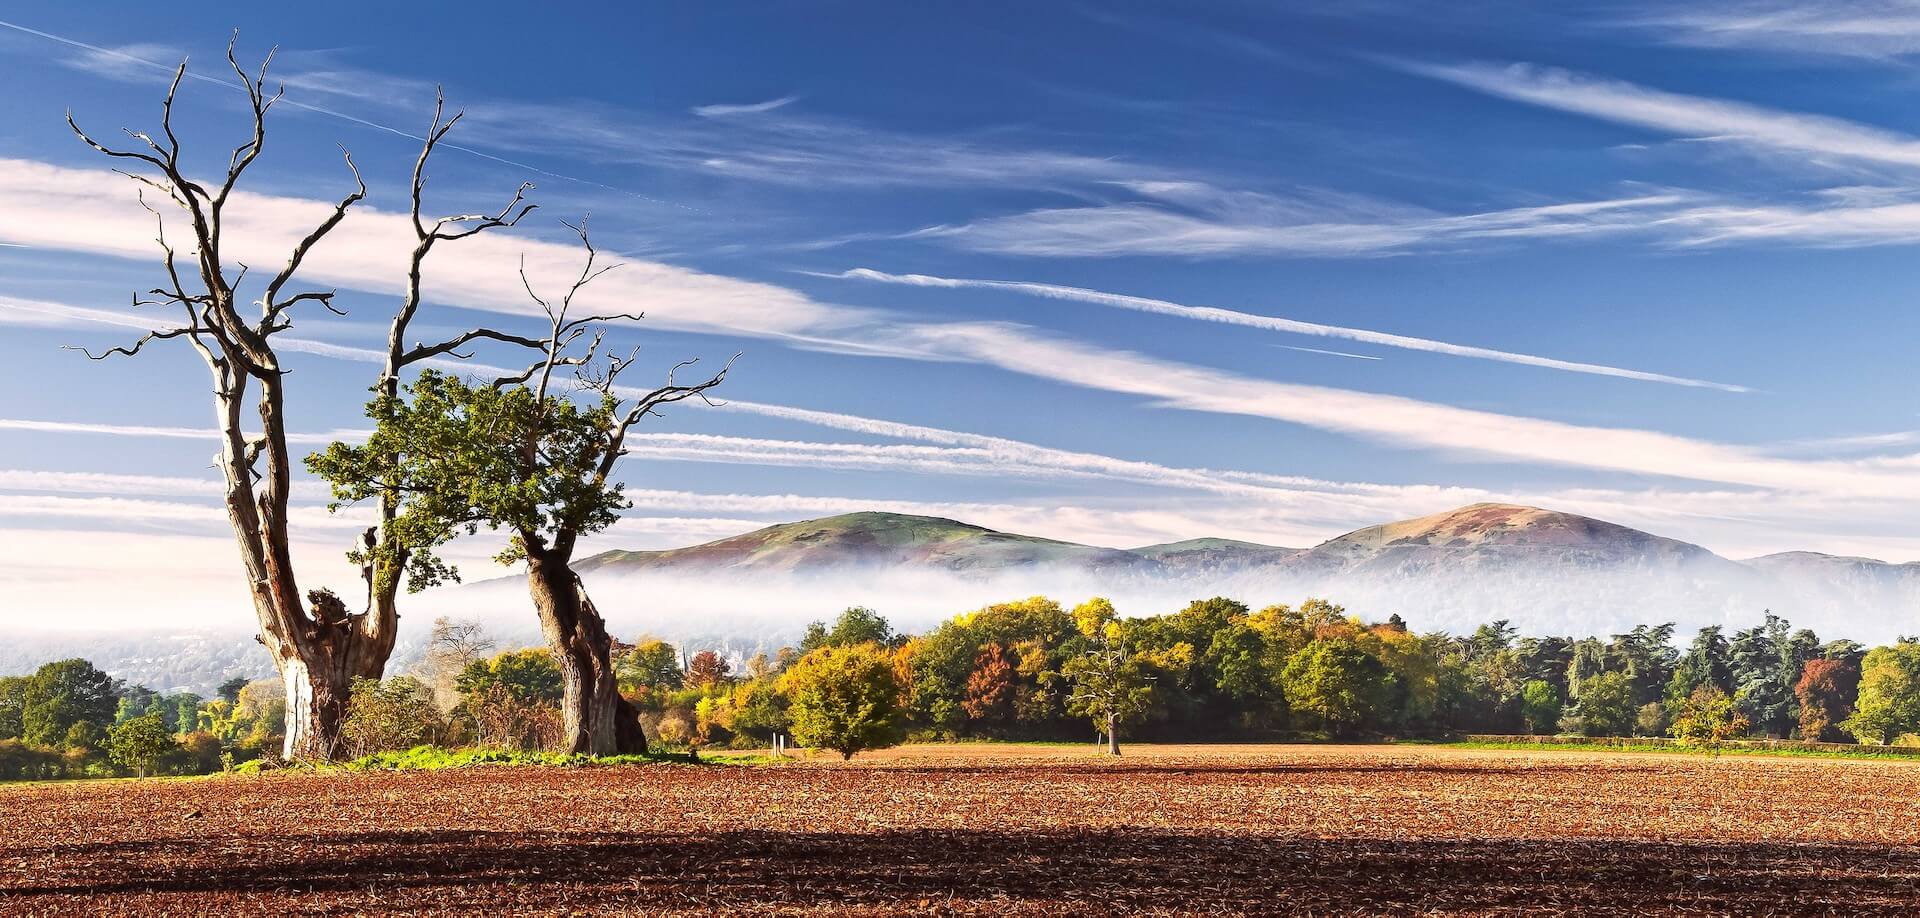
{"points": [[1262, 274]]}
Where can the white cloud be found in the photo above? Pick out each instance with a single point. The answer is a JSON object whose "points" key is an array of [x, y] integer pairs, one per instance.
{"points": [[122, 510], [1678, 114], [94, 211], [1392, 420], [1194, 220], [1409, 423], [723, 110], [1857, 28], [1279, 324]]}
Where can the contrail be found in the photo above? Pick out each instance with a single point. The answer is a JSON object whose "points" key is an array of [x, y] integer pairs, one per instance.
{"points": [[1315, 350], [1276, 323]]}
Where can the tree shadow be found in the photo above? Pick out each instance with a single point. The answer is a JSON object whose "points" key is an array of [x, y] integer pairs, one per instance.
{"points": [[1078, 871]]}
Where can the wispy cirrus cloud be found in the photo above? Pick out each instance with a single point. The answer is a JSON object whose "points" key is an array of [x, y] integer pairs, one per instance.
{"points": [[722, 110], [1191, 219], [1679, 114], [92, 211], [1395, 421], [1853, 28], [1280, 324], [1401, 422]]}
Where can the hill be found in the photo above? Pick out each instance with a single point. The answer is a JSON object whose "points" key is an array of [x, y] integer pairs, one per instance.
{"points": [[868, 540], [1202, 556], [1493, 535]]}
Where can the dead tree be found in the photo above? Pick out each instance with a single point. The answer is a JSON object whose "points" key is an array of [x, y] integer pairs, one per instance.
{"points": [[318, 646], [383, 557]]}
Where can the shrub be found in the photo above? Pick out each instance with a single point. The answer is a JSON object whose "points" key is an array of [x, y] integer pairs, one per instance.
{"points": [[503, 718], [395, 714]]}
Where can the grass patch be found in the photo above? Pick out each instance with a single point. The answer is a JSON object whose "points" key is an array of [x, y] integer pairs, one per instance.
{"points": [[1879, 753], [432, 758]]}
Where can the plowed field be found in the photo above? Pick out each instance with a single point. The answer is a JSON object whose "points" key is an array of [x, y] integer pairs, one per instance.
{"points": [[992, 830]]}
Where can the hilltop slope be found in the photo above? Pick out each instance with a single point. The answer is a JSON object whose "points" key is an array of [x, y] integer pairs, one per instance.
{"points": [[866, 540]]}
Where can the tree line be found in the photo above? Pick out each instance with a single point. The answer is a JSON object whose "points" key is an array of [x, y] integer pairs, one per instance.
{"points": [[1029, 670]]}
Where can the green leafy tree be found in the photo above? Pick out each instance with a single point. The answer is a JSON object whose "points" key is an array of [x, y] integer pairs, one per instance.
{"points": [[140, 742], [1707, 662], [516, 454], [844, 698], [1540, 704], [856, 625], [1110, 686], [1590, 659], [1648, 658], [652, 665], [1889, 702], [530, 675], [1336, 684], [1767, 660], [229, 691], [759, 710], [1545, 659], [1606, 706], [68, 702], [13, 704]]}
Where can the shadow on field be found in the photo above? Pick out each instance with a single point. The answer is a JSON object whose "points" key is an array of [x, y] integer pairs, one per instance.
{"points": [[1123, 768], [1100, 870]]}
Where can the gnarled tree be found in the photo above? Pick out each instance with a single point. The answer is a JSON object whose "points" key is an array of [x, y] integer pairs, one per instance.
{"points": [[517, 454], [318, 645]]}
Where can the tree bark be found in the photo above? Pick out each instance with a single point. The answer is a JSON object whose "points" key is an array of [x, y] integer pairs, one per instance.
{"points": [[1113, 734], [317, 652], [595, 719]]}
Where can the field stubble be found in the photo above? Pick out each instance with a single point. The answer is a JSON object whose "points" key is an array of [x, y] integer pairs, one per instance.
{"points": [[993, 830]]}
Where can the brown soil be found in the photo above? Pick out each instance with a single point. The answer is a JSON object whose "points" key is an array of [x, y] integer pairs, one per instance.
{"points": [[992, 830]]}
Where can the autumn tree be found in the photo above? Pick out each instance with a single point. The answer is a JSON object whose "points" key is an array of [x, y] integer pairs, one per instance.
{"points": [[707, 669], [318, 645], [518, 454], [844, 698], [989, 690], [1825, 692], [1110, 686], [1708, 718]]}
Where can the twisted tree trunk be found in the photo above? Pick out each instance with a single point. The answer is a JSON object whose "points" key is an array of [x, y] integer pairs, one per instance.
{"points": [[595, 719]]}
